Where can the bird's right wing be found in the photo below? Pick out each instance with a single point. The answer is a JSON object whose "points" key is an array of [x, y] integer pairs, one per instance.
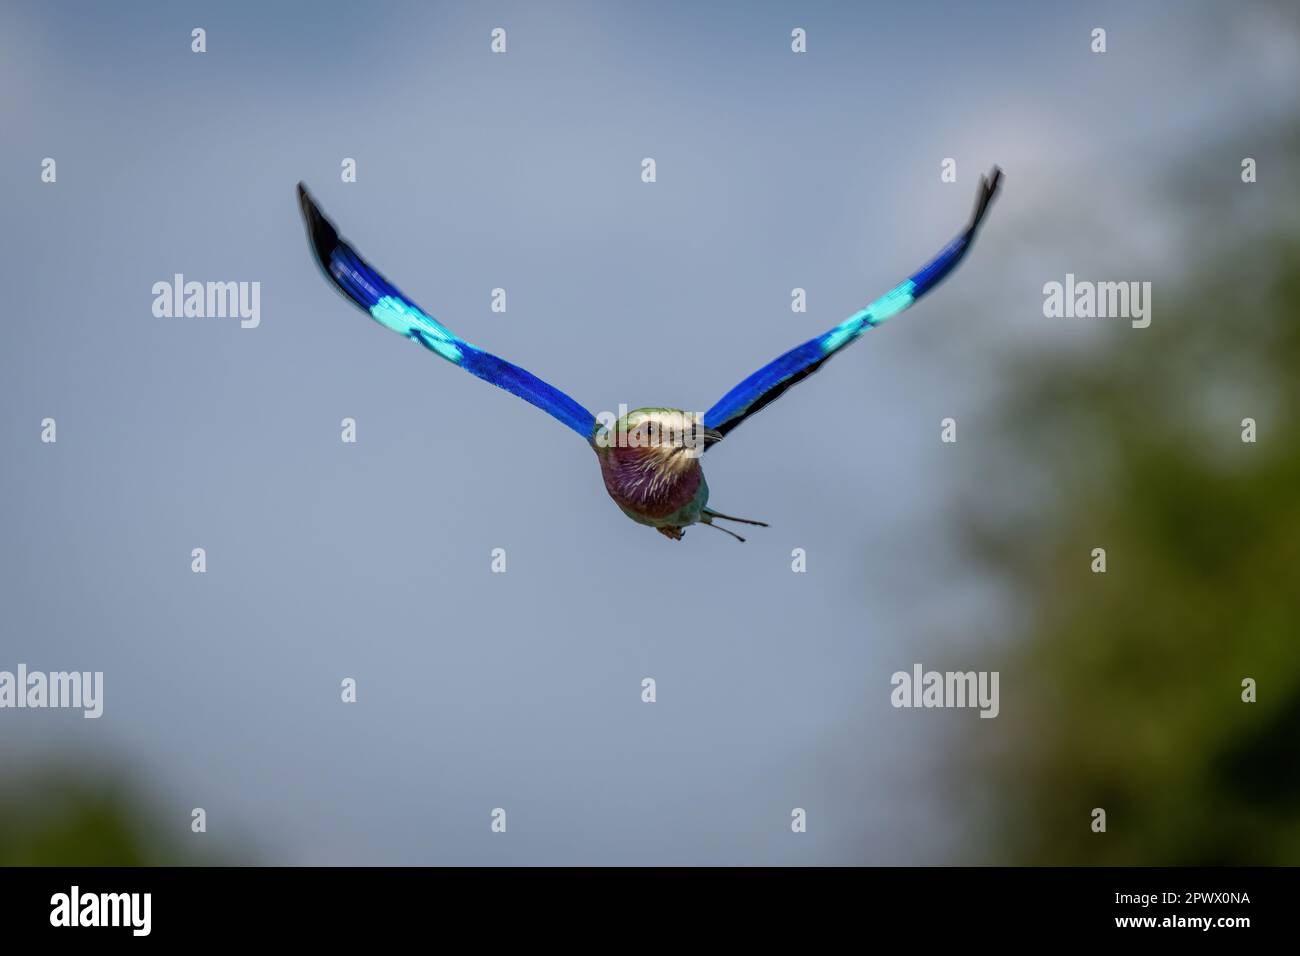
{"points": [[385, 303], [770, 382]]}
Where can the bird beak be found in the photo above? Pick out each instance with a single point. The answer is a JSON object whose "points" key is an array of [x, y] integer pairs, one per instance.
{"points": [[703, 438]]}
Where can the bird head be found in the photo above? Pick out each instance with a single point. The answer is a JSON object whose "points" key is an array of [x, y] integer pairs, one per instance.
{"points": [[666, 439]]}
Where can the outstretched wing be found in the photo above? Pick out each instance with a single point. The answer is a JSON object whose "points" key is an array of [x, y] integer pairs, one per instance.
{"points": [[386, 304], [770, 382]]}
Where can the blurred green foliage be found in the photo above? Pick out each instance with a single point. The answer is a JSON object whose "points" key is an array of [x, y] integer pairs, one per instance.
{"points": [[1123, 690], [73, 818]]}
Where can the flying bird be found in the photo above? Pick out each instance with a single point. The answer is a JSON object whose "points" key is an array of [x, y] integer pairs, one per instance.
{"points": [[650, 457]]}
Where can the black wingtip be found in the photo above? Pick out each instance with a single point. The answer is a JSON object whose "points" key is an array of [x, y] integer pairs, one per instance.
{"points": [[988, 189], [306, 203], [324, 238]]}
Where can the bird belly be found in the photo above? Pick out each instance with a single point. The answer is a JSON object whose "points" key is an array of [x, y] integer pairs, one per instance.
{"points": [[669, 502]]}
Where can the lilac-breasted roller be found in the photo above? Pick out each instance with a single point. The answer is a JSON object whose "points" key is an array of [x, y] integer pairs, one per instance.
{"points": [[649, 458]]}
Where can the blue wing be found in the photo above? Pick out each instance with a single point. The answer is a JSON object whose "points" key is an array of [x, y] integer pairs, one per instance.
{"points": [[770, 382], [386, 304]]}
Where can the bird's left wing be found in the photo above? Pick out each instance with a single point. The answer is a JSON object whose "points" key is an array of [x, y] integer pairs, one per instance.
{"points": [[386, 304], [770, 382]]}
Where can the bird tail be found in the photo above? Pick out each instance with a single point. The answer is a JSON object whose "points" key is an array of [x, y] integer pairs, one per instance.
{"points": [[710, 514]]}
